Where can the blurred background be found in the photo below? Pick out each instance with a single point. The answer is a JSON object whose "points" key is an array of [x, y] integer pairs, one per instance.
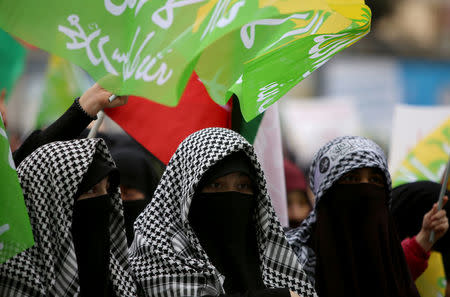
{"points": [[405, 59]]}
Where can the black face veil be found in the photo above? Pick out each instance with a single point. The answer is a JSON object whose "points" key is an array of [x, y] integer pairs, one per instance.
{"points": [[167, 256], [225, 226], [350, 234], [50, 178]]}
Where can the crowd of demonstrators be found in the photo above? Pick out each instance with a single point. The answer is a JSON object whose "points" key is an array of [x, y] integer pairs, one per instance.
{"points": [[207, 226]]}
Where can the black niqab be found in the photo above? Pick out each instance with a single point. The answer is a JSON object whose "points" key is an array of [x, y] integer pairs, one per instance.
{"points": [[224, 225], [90, 230], [358, 251]]}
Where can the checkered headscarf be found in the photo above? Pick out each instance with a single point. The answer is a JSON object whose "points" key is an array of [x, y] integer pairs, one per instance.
{"points": [[331, 162], [166, 255], [50, 177]]}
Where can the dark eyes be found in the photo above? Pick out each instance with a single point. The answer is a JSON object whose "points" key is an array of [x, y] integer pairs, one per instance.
{"points": [[244, 186], [375, 179], [240, 186], [349, 178]]}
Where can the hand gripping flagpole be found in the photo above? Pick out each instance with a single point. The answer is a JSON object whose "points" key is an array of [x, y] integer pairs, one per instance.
{"points": [[441, 194], [99, 121]]}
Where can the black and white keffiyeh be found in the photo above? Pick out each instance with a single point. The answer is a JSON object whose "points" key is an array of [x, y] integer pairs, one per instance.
{"points": [[166, 256], [50, 177], [331, 162]]}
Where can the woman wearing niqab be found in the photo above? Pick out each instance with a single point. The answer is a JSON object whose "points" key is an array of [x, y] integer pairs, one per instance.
{"points": [[193, 242], [348, 244], [80, 246]]}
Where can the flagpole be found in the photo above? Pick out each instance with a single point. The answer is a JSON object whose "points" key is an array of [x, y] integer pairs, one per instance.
{"points": [[99, 121], [441, 194]]}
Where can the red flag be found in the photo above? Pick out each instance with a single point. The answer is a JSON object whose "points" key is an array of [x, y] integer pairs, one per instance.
{"points": [[160, 129]]}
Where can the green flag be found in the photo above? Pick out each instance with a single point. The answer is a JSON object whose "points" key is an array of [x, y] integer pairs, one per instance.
{"points": [[64, 82], [15, 229], [256, 49], [12, 60]]}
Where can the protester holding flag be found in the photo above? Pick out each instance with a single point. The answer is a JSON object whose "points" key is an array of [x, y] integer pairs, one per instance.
{"points": [[348, 244], [70, 125], [211, 229], [72, 195], [409, 203]]}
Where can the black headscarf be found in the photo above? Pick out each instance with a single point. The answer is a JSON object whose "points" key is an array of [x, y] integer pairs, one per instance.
{"points": [[410, 202], [136, 172], [98, 170], [90, 229], [224, 225]]}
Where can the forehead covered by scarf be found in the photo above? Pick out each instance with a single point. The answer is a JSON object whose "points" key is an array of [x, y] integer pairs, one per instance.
{"points": [[342, 155], [167, 257], [98, 170], [50, 178], [331, 162], [236, 162]]}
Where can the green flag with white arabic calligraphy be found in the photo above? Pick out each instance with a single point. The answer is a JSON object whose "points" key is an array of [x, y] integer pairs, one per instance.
{"points": [[256, 49], [15, 229]]}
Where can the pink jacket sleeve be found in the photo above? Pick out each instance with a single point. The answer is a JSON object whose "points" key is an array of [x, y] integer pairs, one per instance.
{"points": [[416, 257]]}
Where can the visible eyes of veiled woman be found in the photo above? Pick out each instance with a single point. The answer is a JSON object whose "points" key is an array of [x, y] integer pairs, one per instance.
{"points": [[363, 175], [231, 182], [213, 185], [238, 186]]}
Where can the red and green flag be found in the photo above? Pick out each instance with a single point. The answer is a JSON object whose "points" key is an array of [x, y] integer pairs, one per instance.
{"points": [[257, 50], [160, 129], [15, 228]]}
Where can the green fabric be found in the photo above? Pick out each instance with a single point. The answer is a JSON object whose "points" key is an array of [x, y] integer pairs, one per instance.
{"points": [[64, 82], [247, 129], [15, 229], [12, 60], [256, 49]]}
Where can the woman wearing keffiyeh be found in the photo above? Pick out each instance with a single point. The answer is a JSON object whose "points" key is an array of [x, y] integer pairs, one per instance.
{"points": [[77, 221], [210, 228], [348, 243]]}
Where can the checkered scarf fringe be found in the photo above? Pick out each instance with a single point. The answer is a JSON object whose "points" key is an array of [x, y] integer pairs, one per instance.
{"points": [[166, 256], [50, 177], [369, 156]]}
